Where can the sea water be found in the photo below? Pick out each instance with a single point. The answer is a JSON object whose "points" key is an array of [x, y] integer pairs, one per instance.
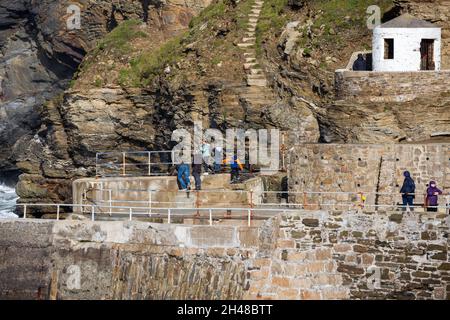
{"points": [[8, 198]]}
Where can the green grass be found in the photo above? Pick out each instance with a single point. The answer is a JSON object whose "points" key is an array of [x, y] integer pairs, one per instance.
{"points": [[336, 11], [119, 39], [271, 18], [341, 16], [151, 63], [116, 43], [210, 13], [144, 68], [243, 9], [98, 83]]}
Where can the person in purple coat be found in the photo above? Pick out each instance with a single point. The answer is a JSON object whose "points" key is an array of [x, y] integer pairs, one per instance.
{"points": [[432, 197]]}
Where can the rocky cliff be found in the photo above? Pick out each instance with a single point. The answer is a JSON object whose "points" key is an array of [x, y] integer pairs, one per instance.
{"points": [[39, 53], [246, 64]]}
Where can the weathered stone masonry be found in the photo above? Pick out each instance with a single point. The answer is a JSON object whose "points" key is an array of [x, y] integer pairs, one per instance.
{"points": [[297, 255], [121, 260], [339, 255], [368, 86], [366, 168]]}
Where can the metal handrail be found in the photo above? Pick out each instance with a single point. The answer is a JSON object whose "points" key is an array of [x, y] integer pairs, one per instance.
{"points": [[170, 209], [269, 192], [131, 209], [123, 165]]}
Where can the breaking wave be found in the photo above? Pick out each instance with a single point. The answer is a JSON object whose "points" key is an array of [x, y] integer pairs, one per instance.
{"points": [[8, 198]]}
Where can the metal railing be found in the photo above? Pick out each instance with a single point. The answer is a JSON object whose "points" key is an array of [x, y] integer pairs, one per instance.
{"points": [[121, 161], [132, 163], [286, 199], [169, 213]]}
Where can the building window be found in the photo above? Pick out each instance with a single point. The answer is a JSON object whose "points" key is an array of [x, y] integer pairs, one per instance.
{"points": [[388, 49], [427, 55]]}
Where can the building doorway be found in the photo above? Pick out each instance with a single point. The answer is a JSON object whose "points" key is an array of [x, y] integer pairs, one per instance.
{"points": [[427, 55]]}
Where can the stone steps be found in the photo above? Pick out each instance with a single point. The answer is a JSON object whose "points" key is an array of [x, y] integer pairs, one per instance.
{"points": [[248, 66], [245, 45], [256, 71], [255, 74], [261, 94], [257, 82]]}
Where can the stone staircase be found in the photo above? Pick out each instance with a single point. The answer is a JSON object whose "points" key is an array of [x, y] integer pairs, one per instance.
{"points": [[217, 192], [255, 74]]}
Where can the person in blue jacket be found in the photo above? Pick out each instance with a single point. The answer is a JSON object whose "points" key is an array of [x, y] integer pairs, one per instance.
{"points": [[235, 166], [408, 191], [183, 176]]}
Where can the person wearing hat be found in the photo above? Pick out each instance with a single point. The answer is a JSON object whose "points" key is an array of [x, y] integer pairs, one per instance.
{"points": [[432, 197], [408, 191]]}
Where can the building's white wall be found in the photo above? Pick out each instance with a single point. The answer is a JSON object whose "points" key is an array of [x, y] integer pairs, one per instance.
{"points": [[406, 48]]}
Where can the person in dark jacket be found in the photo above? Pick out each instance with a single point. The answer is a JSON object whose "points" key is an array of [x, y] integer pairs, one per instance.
{"points": [[432, 197], [197, 171], [235, 166], [183, 176], [360, 64], [408, 190]]}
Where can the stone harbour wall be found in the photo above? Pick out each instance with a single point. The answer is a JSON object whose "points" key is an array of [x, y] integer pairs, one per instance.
{"points": [[369, 86], [43, 259], [365, 168], [295, 255], [345, 255]]}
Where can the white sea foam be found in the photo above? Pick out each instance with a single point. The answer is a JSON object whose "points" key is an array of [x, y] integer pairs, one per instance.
{"points": [[8, 198]]}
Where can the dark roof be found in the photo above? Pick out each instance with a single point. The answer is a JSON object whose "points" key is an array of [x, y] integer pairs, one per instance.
{"points": [[408, 21]]}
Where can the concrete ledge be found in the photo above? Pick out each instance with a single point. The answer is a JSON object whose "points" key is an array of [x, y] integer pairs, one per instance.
{"points": [[43, 233]]}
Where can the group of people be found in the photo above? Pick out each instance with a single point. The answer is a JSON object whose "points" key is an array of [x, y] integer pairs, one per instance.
{"points": [[408, 192], [204, 161]]}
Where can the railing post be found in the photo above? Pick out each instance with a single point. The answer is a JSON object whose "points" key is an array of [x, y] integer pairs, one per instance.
{"points": [[131, 214], [197, 202], [124, 170], [168, 215], [210, 217], [92, 213], [96, 164], [57, 212], [249, 218], [110, 202], [150, 203], [305, 201], [251, 201], [149, 163], [24, 211]]}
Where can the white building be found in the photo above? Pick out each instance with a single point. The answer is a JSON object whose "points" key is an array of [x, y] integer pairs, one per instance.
{"points": [[406, 44]]}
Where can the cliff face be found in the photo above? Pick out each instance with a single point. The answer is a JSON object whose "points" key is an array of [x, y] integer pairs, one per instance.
{"points": [[142, 81], [39, 54]]}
